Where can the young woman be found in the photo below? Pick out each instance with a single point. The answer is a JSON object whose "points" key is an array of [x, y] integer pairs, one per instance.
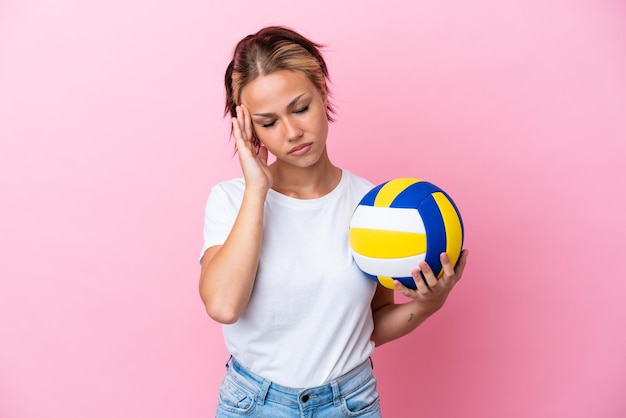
{"points": [[300, 319]]}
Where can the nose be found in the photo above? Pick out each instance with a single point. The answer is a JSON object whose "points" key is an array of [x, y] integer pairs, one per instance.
{"points": [[293, 131]]}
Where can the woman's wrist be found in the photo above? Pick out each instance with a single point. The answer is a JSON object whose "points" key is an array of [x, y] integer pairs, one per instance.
{"points": [[255, 192]]}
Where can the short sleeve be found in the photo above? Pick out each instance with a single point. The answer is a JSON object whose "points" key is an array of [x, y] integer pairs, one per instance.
{"points": [[219, 217]]}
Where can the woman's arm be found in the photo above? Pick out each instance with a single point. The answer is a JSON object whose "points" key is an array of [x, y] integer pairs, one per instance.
{"points": [[393, 320], [229, 270]]}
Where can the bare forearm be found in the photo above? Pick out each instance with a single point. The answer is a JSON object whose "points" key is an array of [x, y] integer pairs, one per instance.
{"points": [[394, 321], [227, 275]]}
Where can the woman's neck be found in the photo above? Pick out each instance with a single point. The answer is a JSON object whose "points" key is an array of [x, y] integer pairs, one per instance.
{"points": [[305, 182]]}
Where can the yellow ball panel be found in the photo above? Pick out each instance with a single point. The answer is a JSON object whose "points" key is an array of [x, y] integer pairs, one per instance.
{"points": [[386, 244], [386, 282], [391, 190], [454, 231]]}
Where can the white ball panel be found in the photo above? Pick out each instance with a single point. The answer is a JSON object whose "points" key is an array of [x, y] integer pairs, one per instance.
{"points": [[390, 219], [391, 267]]}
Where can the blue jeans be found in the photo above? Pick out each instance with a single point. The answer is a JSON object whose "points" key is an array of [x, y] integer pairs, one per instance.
{"points": [[245, 394]]}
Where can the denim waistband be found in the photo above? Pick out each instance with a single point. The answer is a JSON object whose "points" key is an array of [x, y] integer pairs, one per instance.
{"points": [[319, 395]]}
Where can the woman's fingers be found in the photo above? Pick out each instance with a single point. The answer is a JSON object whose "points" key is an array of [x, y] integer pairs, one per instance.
{"points": [[448, 270], [253, 159], [239, 140], [460, 265], [426, 276], [242, 129], [247, 122]]}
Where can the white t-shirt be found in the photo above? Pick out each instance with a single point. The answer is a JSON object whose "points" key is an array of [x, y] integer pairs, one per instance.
{"points": [[309, 318]]}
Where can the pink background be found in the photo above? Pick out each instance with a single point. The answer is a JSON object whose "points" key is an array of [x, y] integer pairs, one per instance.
{"points": [[111, 135]]}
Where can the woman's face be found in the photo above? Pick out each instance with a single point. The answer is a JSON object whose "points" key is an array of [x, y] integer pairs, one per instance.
{"points": [[288, 116]]}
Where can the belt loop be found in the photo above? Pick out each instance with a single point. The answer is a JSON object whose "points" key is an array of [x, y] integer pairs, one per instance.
{"points": [[336, 393], [263, 391], [371, 362], [227, 365]]}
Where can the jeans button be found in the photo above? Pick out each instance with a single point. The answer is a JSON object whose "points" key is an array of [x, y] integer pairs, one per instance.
{"points": [[305, 398]]}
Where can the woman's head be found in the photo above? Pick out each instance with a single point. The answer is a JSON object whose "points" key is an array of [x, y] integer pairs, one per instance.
{"points": [[273, 49]]}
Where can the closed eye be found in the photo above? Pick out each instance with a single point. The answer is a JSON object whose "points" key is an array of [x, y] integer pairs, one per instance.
{"points": [[272, 122], [268, 124], [304, 109]]}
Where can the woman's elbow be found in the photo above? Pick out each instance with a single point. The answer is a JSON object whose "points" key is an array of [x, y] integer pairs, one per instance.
{"points": [[223, 318], [221, 310], [378, 339]]}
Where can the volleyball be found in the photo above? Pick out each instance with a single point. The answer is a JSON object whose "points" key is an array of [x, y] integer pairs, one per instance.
{"points": [[400, 223]]}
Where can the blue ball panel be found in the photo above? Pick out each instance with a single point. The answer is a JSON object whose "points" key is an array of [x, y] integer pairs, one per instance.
{"points": [[370, 197], [435, 233], [407, 281], [412, 196]]}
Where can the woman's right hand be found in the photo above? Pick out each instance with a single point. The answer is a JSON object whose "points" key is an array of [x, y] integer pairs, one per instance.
{"points": [[253, 163]]}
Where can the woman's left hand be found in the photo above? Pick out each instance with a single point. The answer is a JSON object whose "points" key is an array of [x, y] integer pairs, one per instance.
{"points": [[431, 293]]}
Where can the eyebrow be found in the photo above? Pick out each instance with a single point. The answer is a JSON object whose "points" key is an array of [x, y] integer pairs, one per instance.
{"points": [[289, 106]]}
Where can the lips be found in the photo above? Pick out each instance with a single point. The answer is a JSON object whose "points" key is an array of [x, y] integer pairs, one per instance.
{"points": [[300, 149]]}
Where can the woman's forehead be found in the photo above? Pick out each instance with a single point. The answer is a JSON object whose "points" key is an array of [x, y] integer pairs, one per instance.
{"points": [[276, 90]]}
